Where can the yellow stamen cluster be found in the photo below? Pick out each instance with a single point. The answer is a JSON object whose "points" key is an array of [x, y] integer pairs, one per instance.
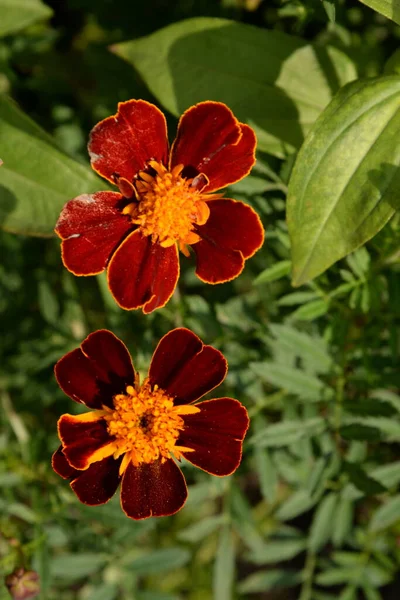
{"points": [[168, 206], [145, 425]]}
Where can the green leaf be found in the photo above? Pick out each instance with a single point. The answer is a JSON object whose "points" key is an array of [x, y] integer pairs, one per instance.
{"points": [[275, 551], [275, 82], [298, 503], [36, 179], [330, 9], [344, 185], [310, 311], [293, 381], [322, 525], [262, 581], [105, 591], [343, 521], [387, 8], [362, 481], [203, 528], [311, 349], [76, 566], [387, 515], [288, 432], [277, 271], [224, 566], [360, 432], [165, 559], [17, 14]]}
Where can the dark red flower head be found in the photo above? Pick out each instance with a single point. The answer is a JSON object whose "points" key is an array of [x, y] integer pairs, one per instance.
{"points": [[134, 432], [166, 202]]}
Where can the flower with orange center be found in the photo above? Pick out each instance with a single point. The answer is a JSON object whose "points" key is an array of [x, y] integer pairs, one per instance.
{"points": [[166, 202], [133, 433]]}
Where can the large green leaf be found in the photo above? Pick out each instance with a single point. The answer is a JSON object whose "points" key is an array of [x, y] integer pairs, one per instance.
{"points": [[275, 82], [36, 178], [345, 183], [388, 8], [17, 14]]}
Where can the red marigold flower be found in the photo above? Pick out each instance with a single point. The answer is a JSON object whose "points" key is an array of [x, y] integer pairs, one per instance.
{"points": [[166, 201], [133, 432]]}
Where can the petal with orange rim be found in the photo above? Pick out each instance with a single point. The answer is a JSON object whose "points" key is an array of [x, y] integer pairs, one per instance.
{"points": [[91, 227], [186, 368], [96, 485], [84, 441], [97, 371], [122, 145], [210, 140], [153, 490], [142, 274], [215, 434], [232, 234]]}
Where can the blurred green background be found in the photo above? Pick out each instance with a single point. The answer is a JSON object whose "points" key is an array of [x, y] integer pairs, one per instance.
{"points": [[313, 511]]}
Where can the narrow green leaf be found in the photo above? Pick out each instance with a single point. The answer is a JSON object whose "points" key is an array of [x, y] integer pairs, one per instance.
{"points": [[275, 82], [343, 520], [362, 481], [294, 381], [310, 348], [275, 551], [344, 185], [263, 581], [277, 271], [387, 8], [17, 14], [224, 567], [298, 503], [387, 515], [76, 566], [310, 311], [288, 432], [104, 591], [36, 179], [322, 525], [201, 529], [165, 559]]}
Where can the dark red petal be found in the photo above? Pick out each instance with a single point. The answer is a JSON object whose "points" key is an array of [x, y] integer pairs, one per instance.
{"points": [[121, 145], [91, 227], [153, 490], [143, 274], [211, 140], [98, 484], [96, 371], [61, 466], [233, 162], [83, 442], [203, 131], [216, 434], [185, 368], [232, 234]]}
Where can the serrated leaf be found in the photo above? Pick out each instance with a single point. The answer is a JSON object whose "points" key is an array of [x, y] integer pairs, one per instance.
{"points": [[17, 14], [344, 185], [288, 432], [36, 178], [387, 515], [387, 8], [322, 525], [275, 82], [262, 581], [224, 567], [293, 381], [309, 348]]}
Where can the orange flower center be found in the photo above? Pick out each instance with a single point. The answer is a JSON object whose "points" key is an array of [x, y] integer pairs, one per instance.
{"points": [[145, 425], [169, 206]]}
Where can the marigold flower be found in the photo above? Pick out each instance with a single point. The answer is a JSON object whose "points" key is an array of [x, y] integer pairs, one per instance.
{"points": [[134, 432], [166, 202]]}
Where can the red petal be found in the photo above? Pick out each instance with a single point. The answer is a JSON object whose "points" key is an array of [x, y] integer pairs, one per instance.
{"points": [[216, 434], [61, 466], [153, 490], [211, 140], [143, 274], [122, 145], [95, 372], [91, 227], [98, 484], [185, 368], [232, 234], [83, 442]]}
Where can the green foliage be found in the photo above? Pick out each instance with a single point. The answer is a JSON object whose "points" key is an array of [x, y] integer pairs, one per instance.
{"points": [[313, 512]]}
